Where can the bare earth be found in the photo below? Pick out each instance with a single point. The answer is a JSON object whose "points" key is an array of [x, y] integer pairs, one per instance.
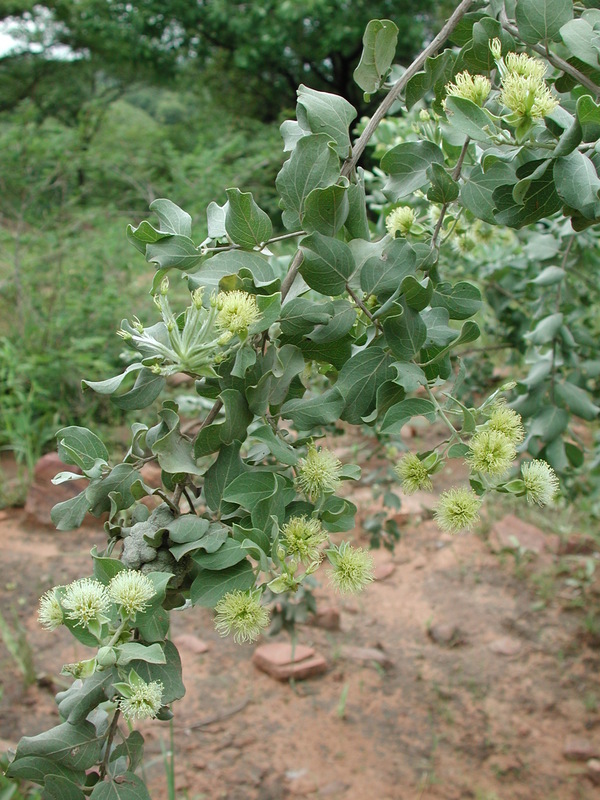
{"points": [[484, 712]]}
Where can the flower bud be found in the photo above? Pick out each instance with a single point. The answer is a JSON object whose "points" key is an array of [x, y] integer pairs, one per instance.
{"points": [[318, 473], [352, 570], [541, 483], [457, 510], [241, 613]]}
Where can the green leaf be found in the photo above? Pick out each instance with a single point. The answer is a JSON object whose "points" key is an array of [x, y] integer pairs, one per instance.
{"points": [[405, 332], [226, 468], [541, 20], [324, 113], [300, 315], [379, 47], [69, 514], [247, 225], [277, 447], [173, 450], [403, 412], [577, 183], [118, 481], [188, 528], [357, 223], [210, 543], [461, 300], [469, 119], [438, 71], [327, 265], [172, 218], [145, 390], [177, 252], [458, 451], [131, 751], [407, 165], [38, 769], [169, 673], [237, 418], [359, 380], [578, 35], [476, 193], [338, 514], [105, 568], [125, 787], [576, 400], [150, 653], [82, 447], [540, 200], [244, 264], [250, 488], [416, 294], [321, 410], [549, 277], [382, 275], [153, 623], [548, 423], [231, 552], [77, 746], [588, 116], [443, 189], [314, 164], [409, 376], [326, 210], [337, 326], [546, 329], [56, 787], [81, 697], [209, 587]]}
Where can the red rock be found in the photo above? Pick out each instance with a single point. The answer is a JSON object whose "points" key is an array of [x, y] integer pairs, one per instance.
{"points": [[367, 655], [179, 379], [510, 532], [593, 771], [578, 544], [187, 641], [43, 494], [278, 661], [384, 570], [151, 475], [505, 646], [327, 618], [445, 633], [333, 788], [576, 748]]}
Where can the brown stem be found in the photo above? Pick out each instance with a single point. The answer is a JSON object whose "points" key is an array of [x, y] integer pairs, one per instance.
{"points": [[455, 176], [109, 740], [399, 87], [361, 305], [291, 274]]}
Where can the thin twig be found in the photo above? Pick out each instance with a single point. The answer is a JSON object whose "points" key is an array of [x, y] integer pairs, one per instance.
{"points": [[455, 176], [109, 740], [291, 274], [400, 85], [361, 305], [555, 60]]}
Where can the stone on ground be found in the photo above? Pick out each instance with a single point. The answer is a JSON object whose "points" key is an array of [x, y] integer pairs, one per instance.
{"points": [[282, 663], [510, 533], [43, 494]]}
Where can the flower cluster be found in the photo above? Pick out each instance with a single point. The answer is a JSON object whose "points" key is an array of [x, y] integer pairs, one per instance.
{"points": [[352, 568], [86, 601], [400, 221], [318, 473], [50, 614], [140, 700], [523, 88], [131, 590], [457, 510], [491, 452], [238, 311], [413, 473], [302, 538], [540, 481], [475, 88], [241, 613]]}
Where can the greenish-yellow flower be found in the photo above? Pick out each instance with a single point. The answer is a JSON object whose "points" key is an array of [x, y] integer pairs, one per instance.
{"points": [[491, 452], [132, 590], [413, 473], [507, 422], [352, 570], [527, 96], [144, 700], [457, 510], [522, 64], [475, 88], [303, 537], [237, 312], [50, 614], [541, 483], [85, 600], [400, 220], [241, 613], [318, 473]]}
